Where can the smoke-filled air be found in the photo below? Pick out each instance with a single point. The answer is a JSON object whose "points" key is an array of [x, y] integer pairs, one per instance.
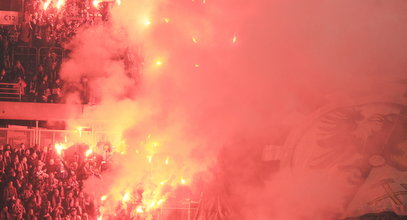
{"points": [[249, 109]]}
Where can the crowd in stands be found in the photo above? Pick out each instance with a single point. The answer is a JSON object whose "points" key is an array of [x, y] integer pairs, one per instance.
{"points": [[45, 26], [44, 84], [48, 24], [53, 26], [41, 184]]}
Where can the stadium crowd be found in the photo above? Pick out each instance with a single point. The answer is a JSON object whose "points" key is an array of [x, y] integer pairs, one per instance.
{"points": [[41, 184], [45, 24]]}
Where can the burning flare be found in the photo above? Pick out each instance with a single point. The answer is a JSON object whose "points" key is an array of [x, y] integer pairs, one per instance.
{"points": [[126, 197], [139, 209], [59, 148], [103, 198], [147, 22], [60, 3], [88, 152], [234, 39], [46, 4], [95, 3]]}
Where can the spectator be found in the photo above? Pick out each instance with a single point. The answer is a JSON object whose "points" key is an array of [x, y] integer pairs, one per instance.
{"points": [[21, 85], [31, 215], [2, 165], [28, 193], [15, 163], [17, 210], [55, 92], [52, 167], [10, 192], [41, 72], [37, 200], [5, 214], [20, 182], [5, 57], [58, 211], [32, 89], [43, 89], [7, 158], [55, 198], [21, 150], [18, 71], [26, 33], [24, 165], [46, 211], [3, 76], [51, 182]]}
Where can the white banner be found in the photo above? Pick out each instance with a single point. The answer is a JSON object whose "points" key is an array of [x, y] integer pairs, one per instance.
{"points": [[8, 17]]}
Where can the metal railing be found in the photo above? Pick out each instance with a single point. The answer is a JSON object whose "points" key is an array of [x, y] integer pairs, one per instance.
{"points": [[10, 92], [30, 57], [45, 137], [186, 211], [16, 136]]}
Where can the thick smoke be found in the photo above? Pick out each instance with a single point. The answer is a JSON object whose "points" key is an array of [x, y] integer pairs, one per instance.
{"points": [[217, 72]]}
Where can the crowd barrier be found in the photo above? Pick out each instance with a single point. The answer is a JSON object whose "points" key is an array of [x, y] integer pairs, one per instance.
{"points": [[10, 92]]}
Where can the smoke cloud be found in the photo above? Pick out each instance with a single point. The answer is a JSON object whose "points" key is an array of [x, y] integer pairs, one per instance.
{"points": [[213, 73]]}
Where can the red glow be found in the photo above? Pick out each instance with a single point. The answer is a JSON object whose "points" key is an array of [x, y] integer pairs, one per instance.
{"points": [[183, 96]]}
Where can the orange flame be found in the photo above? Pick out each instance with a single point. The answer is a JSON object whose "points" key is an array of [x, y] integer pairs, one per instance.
{"points": [[126, 197], [46, 4], [158, 62], [60, 3], [152, 204], [88, 152], [139, 209], [167, 161], [234, 39], [183, 182], [147, 22], [95, 3], [80, 129], [59, 148]]}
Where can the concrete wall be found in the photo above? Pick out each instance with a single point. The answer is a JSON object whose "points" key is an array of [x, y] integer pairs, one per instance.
{"points": [[39, 111]]}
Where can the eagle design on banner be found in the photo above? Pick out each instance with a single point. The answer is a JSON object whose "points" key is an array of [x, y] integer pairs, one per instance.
{"points": [[367, 141]]}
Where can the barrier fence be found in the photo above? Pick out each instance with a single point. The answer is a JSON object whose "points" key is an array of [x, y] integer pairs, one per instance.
{"points": [[176, 211], [17, 136], [10, 92], [41, 137]]}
